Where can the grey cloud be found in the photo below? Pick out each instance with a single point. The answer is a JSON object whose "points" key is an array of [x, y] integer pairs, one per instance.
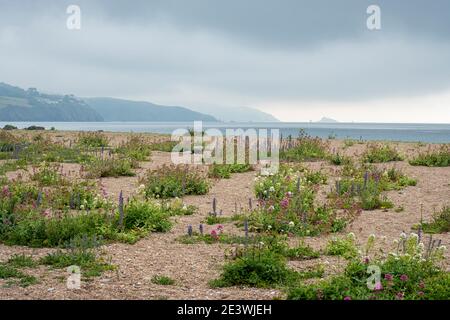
{"points": [[232, 51]]}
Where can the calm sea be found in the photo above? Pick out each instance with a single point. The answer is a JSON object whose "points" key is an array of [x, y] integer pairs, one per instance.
{"points": [[437, 133]]}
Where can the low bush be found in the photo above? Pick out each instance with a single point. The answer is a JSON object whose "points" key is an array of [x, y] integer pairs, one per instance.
{"points": [[345, 247], [92, 139], [303, 148], [440, 222], [174, 181], [110, 167], [48, 175], [377, 153], [338, 160], [437, 158], [135, 148], [259, 269]]}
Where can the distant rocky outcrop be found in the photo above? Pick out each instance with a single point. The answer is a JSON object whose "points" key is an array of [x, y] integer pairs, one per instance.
{"points": [[327, 120]]}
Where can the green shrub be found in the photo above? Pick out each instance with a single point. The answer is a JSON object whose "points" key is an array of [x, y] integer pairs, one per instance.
{"points": [[315, 177], [263, 269], [377, 153], [92, 139], [174, 181], [48, 175], [344, 247], [439, 158], [364, 188], [371, 199], [146, 216], [135, 148], [304, 148], [111, 167], [338, 160]]}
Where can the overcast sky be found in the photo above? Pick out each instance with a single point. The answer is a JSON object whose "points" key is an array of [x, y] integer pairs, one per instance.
{"points": [[298, 60]]}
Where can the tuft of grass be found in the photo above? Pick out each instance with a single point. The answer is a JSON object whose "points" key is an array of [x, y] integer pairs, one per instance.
{"points": [[22, 261], [163, 280], [224, 171], [301, 252], [440, 222], [211, 220], [164, 146], [16, 276]]}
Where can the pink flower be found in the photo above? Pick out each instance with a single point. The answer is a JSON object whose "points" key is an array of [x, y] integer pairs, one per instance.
{"points": [[284, 203], [388, 277], [366, 260], [421, 285], [347, 298], [404, 277], [214, 234], [5, 191], [399, 296], [378, 286], [421, 293]]}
